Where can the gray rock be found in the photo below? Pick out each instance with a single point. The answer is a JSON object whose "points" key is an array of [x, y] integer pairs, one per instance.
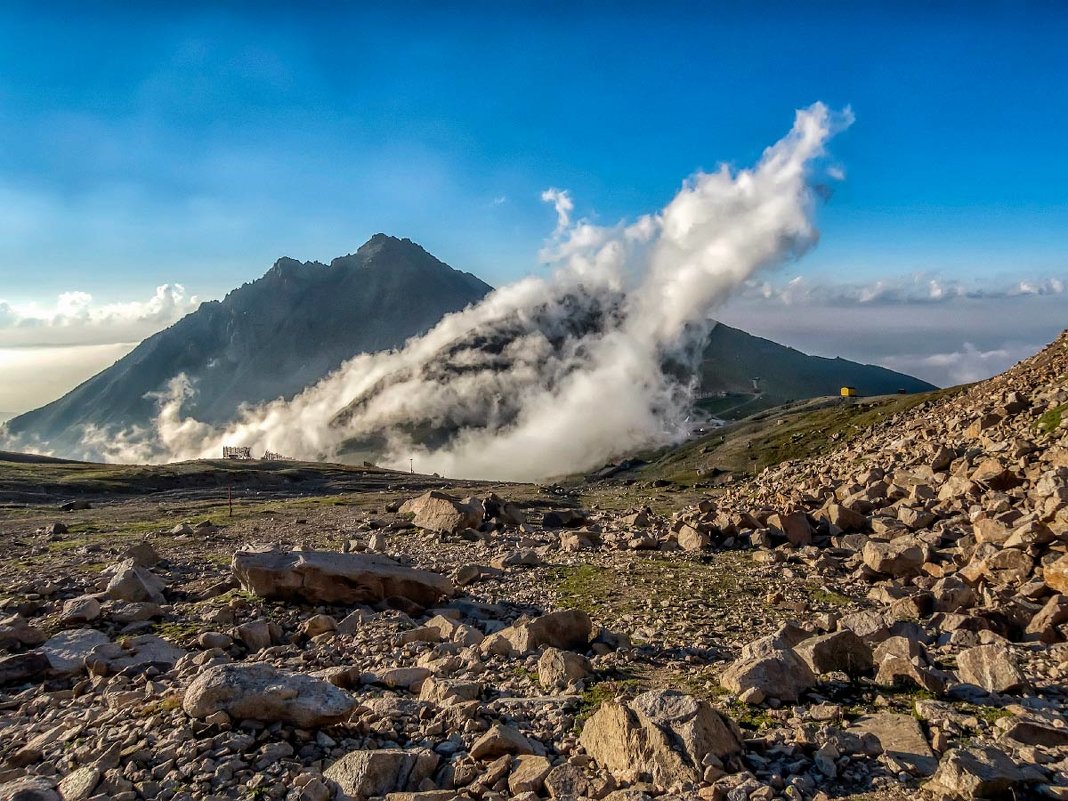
{"points": [[976, 772], [258, 691], [661, 734], [362, 774], [66, 652], [992, 667], [842, 651], [901, 738]]}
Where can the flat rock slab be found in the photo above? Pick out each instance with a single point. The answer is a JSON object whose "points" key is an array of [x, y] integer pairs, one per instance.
{"points": [[336, 578], [901, 738], [66, 652]]}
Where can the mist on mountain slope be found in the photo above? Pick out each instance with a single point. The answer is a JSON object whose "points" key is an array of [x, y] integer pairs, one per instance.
{"points": [[548, 375]]}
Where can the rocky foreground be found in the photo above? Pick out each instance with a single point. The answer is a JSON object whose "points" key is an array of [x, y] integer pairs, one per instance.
{"points": [[890, 617]]}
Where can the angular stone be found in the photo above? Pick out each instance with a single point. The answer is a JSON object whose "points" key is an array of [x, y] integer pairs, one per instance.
{"points": [[558, 668], [500, 740], [568, 629], [795, 526], [82, 609], [992, 667], [901, 738], [444, 513], [132, 583], [79, 784], [335, 578], [897, 558], [363, 774], [258, 691], [528, 774], [67, 651], [842, 651], [976, 772], [661, 734], [690, 539], [29, 666], [1056, 575], [771, 666]]}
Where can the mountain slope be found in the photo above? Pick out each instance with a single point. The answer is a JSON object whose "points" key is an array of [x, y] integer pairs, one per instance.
{"points": [[733, 358], [267, 339]]}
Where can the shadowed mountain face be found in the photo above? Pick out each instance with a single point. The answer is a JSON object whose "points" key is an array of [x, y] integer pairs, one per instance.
{"points": [[271, 338]]}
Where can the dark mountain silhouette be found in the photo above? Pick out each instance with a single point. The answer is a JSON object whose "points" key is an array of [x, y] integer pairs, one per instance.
{"points": [[271, 338]]}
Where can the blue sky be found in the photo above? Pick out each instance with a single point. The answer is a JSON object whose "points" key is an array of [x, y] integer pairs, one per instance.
{"points": [[196, 143]]}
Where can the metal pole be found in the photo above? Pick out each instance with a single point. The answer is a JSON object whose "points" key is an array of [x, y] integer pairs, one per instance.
{"points": [[230, 499]]}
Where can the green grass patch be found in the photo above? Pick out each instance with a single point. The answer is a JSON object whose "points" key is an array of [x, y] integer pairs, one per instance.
{"points": [[1050, 421]]}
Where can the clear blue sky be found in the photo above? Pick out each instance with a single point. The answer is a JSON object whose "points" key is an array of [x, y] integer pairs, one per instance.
{"points": [[197, 143]]}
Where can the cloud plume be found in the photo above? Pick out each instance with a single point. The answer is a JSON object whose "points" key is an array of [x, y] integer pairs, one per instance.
{"points": [[549, 375]]}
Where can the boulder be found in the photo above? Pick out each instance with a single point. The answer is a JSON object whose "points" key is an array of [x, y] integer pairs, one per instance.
{"points": [[568, 629], [363, 774], [320, 577], [129, 582], [992, 667], [557, 668], [528, 774], [500, 740], [770, 666], [690, 539], [444, 513], [565, 518], [258, 691], [82, 609], [842, 651], [901, 738], [897, 558], [79, 784], [794, 525], [143, 554], [66, 652], [662, 734], [976, 772]]}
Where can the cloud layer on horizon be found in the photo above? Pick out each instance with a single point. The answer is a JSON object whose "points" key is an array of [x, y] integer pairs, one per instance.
{"points": [[942, 330]]}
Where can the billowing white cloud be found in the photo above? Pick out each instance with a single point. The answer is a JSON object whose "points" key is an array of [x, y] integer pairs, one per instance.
{"points": [[74, 319], [562, 203]]}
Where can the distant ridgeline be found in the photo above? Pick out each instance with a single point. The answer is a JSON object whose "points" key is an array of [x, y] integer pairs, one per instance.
{"points": [[275, 336]]}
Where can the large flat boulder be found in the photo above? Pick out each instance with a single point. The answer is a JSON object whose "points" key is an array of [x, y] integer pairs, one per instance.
{"points": [[258, 691], [662, 735], [66, 652], [335, 578], [901, 738]]}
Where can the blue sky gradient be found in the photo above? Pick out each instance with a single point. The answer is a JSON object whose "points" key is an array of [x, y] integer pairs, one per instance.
{"points": [[198, 143], [195, 143]]}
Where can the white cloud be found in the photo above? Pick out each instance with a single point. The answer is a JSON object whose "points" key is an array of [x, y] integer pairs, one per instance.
{"points": [[74, 319], [563, 204]]}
